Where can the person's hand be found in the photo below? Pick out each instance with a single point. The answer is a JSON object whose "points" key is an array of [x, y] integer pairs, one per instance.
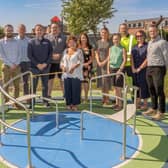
{"points": [[44, 65], [72, 69], [40, 66], [85, 65], [56, 56], [101, 64], [13, 67], [64, 69], [134, 70], [138, 70]]}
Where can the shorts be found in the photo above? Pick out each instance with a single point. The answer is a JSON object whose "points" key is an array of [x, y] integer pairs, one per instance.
{"points": [[116, 80], [55, 67]]}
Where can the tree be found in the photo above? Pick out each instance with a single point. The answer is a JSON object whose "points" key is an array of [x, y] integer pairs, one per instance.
{"points": [[86, 15], [1, 32]]}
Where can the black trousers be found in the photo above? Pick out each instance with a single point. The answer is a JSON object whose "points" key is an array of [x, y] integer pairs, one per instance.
{"points": [[44, 80], [155, 80], [72, 87], [25, 66]]}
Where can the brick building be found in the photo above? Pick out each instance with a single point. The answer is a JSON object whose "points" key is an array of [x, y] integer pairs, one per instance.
{"points": [[134, 25]]}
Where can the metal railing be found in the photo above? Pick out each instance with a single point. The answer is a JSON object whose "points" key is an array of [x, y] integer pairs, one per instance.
{"points": [[104, 76], [2, 122], [124, 98], [14, 100]]}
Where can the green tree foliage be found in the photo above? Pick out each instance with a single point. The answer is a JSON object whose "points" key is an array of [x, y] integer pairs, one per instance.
{"points": [[86, 15], [1, 32]]}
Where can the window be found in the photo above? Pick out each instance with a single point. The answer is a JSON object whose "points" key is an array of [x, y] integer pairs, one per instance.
{"points": [[139, 24], [129, 25], [134, 25]]}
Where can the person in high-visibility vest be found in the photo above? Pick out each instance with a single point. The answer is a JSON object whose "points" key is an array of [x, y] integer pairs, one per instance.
{"points": [[128, 41]]}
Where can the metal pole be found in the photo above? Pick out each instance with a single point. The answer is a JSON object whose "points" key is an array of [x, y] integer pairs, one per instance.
{"points": [[29, 140], [81, 125], [124, 124], [57, 115], [90, 88], [135, 96], [0, 136], [32, 91], [3, 111]]}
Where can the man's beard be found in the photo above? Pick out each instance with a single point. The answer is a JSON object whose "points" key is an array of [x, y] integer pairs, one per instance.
{"points": [[9, 35]]}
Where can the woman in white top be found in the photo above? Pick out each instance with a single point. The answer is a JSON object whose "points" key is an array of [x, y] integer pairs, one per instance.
{"points": [[72, 64]]}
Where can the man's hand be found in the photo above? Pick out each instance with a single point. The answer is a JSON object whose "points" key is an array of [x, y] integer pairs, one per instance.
{"points": [[13, 67], [56, 56], [40, 66]]}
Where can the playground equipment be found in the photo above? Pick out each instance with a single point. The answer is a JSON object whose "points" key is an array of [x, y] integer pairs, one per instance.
{"points": [[19, 101], [122, 116]]}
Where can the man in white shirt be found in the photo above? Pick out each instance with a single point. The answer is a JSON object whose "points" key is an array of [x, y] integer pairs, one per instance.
{"points": [[9, 51]]}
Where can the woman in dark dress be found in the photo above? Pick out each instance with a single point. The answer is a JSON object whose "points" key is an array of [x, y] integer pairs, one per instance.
{"points": [[88, 54], [139, 63]]}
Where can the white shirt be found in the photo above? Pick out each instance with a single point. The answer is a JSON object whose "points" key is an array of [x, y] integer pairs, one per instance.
{"points": [[69, 61]]}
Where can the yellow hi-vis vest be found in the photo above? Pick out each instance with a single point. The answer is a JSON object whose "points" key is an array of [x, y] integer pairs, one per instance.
{"points": [[128, 42]]}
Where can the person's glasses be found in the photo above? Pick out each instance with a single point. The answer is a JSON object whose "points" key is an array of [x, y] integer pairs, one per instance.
{"points": [[139, 36]]}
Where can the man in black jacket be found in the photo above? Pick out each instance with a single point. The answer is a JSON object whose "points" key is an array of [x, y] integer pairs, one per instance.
{"points": [[39, 53]]}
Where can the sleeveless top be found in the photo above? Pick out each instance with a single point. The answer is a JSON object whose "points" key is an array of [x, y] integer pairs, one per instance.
{"points": [[116, 56]]}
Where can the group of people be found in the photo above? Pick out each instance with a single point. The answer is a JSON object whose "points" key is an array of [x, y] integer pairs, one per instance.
{"points": [[71, 59], [147, 61]]}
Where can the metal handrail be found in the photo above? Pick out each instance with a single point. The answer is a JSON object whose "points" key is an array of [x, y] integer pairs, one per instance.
{"points": [[31, 81], [2, 121], [16, 129], [102, 76], [123, 98]]}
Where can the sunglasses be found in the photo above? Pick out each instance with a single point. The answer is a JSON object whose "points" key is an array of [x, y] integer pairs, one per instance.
{"points": [[139, 36]]}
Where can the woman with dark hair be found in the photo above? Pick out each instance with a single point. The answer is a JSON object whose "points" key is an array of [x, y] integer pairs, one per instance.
{"points": [[139, 64], [88, 54], [71, 64]]}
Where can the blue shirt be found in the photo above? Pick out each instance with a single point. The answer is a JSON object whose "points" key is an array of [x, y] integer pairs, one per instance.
{"points": [[23, 45], [9, 51], [139, 54]]}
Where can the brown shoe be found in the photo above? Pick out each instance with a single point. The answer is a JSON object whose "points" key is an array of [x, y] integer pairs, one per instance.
{"points": [[149, 112], [158, 116]]}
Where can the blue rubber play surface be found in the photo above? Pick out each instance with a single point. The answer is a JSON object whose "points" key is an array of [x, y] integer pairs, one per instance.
{"points": [[63, 148]]}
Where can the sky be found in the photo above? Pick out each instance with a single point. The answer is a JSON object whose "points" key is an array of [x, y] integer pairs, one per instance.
{"points": [[31, 12]]}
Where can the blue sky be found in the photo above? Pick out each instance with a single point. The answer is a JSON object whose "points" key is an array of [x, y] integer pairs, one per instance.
{"points": [[31, 12]]}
